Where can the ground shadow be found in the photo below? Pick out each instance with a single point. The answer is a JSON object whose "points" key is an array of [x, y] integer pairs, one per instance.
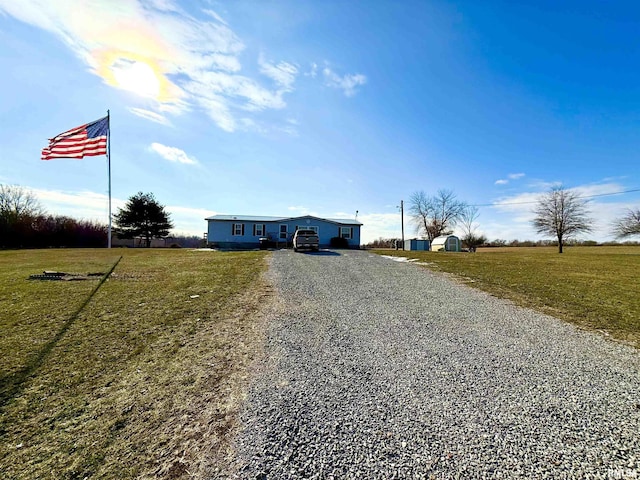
{"points": [[324, 253], [11, 385]]}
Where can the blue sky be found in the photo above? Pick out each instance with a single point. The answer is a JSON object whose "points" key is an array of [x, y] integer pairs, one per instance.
{"points": [[325, 108]]}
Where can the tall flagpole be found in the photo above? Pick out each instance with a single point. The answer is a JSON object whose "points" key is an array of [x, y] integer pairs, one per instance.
{"points": [[402, 220], [109, 173]]}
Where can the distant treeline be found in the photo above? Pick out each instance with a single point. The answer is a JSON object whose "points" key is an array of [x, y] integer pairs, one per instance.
{"points": [[57, 231], [44, 231], [391, 243], [383, 243], [552, 243], [25, 224]]}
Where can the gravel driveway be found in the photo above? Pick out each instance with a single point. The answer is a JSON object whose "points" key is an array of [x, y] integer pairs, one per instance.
{"points": [[377, 369]]}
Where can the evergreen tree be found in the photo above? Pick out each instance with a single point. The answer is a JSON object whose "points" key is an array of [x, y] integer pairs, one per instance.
{"points": [[143, 217]]}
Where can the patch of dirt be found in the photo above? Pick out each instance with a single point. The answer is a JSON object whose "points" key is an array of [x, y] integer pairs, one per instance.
{"points": [[50, 275]]}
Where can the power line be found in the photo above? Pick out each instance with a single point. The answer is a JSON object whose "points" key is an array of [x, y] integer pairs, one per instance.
{"points": [[536, 201]]}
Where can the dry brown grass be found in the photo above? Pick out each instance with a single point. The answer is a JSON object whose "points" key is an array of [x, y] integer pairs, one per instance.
{"points": [[146, 381]]}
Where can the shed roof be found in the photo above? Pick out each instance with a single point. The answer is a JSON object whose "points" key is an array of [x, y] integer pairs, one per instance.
{"points": [[262, 218], [442, 239]]}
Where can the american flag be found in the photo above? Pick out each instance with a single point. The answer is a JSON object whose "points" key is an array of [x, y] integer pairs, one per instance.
{"points": [[84, 141]]}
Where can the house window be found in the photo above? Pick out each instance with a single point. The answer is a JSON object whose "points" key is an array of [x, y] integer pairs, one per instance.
{"points": [[258, 230], [283, 232], [237, 229], [307, 227], [345, 232]]}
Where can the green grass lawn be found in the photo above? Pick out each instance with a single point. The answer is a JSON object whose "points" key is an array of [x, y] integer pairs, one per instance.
{"points": [[144, 381], [596, 288]]}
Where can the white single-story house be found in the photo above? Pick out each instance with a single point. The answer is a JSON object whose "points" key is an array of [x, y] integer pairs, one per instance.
{"points": [[446, 243], [245, 231]]}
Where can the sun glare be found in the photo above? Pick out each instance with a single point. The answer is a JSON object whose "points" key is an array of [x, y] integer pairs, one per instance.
{"points": [[137, 77]]}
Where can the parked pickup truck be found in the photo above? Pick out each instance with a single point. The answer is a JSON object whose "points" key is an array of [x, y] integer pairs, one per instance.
{"points": [[305, 240]]}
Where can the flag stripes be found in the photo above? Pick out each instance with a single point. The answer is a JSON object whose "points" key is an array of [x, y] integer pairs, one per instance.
{"points": [[83, 141]]}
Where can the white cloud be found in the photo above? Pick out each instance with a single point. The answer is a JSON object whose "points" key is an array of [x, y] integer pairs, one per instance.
{"points": [[517, 202], [194, 62], [301, 210], [215, 91], [166, 5], [511, 176], [541, 185], [601, 189], [189, 221], [343, 215], [249, 124], [283, 73], [172, 154], [348, 83], [149, 115], [227, 63], [519, 210], [385, 225], [218, 111], [176, 108], [82, 198], [215, 15], [313, 72], [81, 204], [287, 129]]}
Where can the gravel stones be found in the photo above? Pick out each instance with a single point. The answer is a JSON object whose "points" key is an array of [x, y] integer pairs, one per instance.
{"points": [[377, 369]]}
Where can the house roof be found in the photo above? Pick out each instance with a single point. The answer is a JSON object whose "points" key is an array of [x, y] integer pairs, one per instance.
{"points": [[258, 218]]}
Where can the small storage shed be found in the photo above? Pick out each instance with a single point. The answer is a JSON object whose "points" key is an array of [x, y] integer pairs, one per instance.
{"points": [[446, 243], [416, 244]]}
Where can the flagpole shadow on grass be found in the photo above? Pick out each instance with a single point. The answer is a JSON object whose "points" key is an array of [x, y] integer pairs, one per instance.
{"points": [[12, 384]]}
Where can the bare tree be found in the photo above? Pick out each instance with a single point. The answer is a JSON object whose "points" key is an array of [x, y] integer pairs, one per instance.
{"points": [[435, 215], [17, 204], [469, 226], [628, 225], [561, 213]]}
